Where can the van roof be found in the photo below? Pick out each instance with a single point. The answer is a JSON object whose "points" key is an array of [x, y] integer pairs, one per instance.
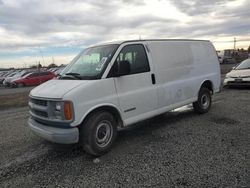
{"points": [[142, 40]]}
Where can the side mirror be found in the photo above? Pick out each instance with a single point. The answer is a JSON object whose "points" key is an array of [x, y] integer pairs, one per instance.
{"points": [[122, 68]]}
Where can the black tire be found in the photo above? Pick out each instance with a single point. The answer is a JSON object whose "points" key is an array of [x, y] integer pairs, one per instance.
{"points": [[98, 133], [203, 104]]}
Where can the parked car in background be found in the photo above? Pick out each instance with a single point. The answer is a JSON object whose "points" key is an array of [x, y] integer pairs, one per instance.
{"points": [[240, 75], [3, 75], [227, 56], [59, 70], [8, 73], [32, 79], [7, 81], [54, 69]]}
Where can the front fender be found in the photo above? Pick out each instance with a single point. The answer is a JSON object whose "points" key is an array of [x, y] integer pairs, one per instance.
{"points": [[102, 106]]}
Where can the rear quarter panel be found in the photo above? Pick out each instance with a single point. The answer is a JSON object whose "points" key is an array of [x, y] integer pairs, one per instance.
{"points": [[181, 67]]}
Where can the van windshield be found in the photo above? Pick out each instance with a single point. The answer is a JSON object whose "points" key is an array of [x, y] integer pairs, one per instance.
{"points": [[90, 63]]}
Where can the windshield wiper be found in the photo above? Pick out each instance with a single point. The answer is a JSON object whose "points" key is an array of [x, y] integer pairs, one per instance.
{"points": [[71, 75]]}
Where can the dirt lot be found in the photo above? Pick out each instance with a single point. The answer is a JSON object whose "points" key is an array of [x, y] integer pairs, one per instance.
{"points": [[179, 149], [14, 97], [10, 91]]}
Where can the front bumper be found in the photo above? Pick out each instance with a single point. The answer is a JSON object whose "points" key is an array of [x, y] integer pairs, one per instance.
{"points": [[54, 134], [236, 82]]}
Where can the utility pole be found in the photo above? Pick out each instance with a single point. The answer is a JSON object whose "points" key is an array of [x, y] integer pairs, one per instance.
{"points": [[41, 54], [234, 43]]}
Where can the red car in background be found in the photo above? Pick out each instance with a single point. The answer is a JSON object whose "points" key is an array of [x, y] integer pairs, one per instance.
{"points": [[32, 79]]}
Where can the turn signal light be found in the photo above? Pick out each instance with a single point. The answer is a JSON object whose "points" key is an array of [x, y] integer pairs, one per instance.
{"points": [[67, 111]]}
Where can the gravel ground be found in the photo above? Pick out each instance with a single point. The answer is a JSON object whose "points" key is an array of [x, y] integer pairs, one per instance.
{"points": [[179, 149], [4, 90]]}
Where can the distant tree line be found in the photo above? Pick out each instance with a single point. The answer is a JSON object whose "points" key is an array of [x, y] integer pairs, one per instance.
{"points": [[38, 66]]}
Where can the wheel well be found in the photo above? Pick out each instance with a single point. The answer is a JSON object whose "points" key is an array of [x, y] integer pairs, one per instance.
{"points": [[109, 109], [208, 84]]}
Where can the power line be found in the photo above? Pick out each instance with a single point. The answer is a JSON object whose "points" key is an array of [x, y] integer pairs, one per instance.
{"points": [[226, 41]]}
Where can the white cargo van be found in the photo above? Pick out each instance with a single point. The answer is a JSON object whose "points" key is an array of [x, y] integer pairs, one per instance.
{"points": [[111, 86]]}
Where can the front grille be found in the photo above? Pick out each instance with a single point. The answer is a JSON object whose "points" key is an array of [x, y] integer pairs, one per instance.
{"points": [[240, 77], [241, 83], [39, 102], [235, 82], [40, 113], [39, 107]]}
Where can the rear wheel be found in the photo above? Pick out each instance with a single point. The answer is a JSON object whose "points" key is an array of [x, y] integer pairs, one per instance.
{"points": [[98, 133], [203, 104]]}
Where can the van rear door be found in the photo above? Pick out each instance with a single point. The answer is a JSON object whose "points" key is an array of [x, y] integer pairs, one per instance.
{"points": [[137, 92]]}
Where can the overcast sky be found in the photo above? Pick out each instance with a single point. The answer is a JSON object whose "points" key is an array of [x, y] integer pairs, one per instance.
{"points": [[32, 29]]}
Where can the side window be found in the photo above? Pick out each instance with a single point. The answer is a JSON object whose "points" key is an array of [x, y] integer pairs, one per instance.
{"points": [[136, 55], [33, 75], [44, 73]]}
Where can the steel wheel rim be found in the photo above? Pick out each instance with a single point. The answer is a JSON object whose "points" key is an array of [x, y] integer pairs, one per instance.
{"points": [[205, 101], [104, 132]]}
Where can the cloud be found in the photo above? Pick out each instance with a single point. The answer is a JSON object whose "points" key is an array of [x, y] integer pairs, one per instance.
{"points": [[216, 17], [82, 20], [197, 7], [27, 24]]}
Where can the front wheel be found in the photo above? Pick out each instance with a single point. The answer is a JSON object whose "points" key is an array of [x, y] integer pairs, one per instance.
{"points": [[98, 133], [203, 104]]}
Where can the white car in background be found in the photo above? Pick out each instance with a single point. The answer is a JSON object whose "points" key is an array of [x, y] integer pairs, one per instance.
{"points": [[7, 81], [239, 75], [3, 75], [9, 77]]}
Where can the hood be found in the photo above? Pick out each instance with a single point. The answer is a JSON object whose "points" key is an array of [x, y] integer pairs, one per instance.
{"points": [[239, 73], [8, 79], [16, 79], [56, 89]]}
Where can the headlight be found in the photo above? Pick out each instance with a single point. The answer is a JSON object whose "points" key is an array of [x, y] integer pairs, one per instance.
{"points": [[58, 106], [61, 110]]}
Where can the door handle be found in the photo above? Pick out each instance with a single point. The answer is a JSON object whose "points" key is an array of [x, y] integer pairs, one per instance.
{"points": [[153, 78]]}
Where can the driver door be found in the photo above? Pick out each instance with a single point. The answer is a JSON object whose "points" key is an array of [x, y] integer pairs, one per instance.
{"points": [[137, 92]]}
